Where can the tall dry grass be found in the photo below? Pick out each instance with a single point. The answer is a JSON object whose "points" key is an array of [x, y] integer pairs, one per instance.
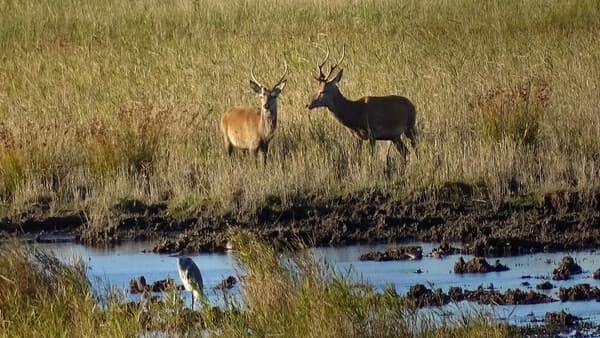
{"points": [[105, 100]]}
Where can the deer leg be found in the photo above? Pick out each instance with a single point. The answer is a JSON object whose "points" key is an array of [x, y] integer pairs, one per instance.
{"points": [[411, 134], [400, 147], [265, 149], [228, 147], [372, 144], [254, 153], [388, 163]]}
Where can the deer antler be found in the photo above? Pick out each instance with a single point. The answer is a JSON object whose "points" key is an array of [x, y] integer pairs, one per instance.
{"points": [[321, 75], [252, 75], [284, 74], [337, 63]]}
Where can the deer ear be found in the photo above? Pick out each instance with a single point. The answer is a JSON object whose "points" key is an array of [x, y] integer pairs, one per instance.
{"points": [[256, 87], [277, 89], [338, 77]]}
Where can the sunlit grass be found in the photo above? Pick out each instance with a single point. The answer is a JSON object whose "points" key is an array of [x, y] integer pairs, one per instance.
{"points": [[104, 100]]}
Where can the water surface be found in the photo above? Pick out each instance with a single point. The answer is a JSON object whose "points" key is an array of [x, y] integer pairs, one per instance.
{"points": [[117, 265]]}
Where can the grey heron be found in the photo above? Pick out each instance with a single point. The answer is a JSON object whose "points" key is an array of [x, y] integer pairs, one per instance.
{"points": [[190, 277]]}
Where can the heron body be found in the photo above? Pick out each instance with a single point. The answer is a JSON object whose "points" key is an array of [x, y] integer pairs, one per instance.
{"points": [[190, 277]]}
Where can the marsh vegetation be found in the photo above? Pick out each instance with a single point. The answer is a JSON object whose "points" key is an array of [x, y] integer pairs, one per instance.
{"points": [[104, 101], [282, 293]]}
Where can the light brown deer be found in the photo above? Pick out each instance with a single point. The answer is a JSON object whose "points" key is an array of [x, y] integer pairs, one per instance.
{"points": [[252, 128], [368, 118]]}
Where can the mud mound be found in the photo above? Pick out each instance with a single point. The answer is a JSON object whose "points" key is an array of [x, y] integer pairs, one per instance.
{"points": [[544, 286], [566, 268], [579, 292], [560, 319], [394, 254], [226, 283], [509, 297], [139, 285], [477, 265], [444, 250], [422, 296]]}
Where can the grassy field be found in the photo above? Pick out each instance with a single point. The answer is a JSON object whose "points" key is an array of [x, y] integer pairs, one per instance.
{"points": [[40, 296], [108, 100]]}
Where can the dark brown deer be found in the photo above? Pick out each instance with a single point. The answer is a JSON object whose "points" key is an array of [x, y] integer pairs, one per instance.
{"points": [[369, 118]]}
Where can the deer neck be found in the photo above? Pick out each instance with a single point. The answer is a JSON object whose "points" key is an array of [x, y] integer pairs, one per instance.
{"points": [[347, 112], [268, 122]]}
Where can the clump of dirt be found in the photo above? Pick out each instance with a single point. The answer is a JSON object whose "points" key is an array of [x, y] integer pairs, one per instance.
{"points": [[544, 286], [226, 283], [509, 297], [560, 319], [596, 274], [566, 268], [579, 292], [444, 250], [422, 296], [477, 265], [394, 254], [139, 285]]}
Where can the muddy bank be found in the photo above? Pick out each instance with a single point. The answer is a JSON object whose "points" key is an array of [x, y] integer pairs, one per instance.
{"points": [[422, 296], [561, 221]]}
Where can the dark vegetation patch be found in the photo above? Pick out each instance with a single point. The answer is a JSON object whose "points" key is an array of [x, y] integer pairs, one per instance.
{"points": [[561, 222], [400, 253], [478, 265]]}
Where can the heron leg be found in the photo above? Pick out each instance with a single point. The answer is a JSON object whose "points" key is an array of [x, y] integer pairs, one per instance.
{"points": [[192, 300]]}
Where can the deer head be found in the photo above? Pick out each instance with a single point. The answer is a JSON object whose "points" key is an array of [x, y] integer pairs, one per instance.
{"points": [[268, 97], [328, 89]]}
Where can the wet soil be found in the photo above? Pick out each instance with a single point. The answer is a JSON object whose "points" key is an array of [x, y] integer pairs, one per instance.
{"points": [[563, 221], [139, 285], [544, 286], [422, 296], [579, 292], [226, 283], [478, 265], [566, 268], [401, 253]]}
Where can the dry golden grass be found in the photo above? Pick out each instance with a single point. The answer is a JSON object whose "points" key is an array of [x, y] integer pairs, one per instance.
{"points": [[104, 100]]}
